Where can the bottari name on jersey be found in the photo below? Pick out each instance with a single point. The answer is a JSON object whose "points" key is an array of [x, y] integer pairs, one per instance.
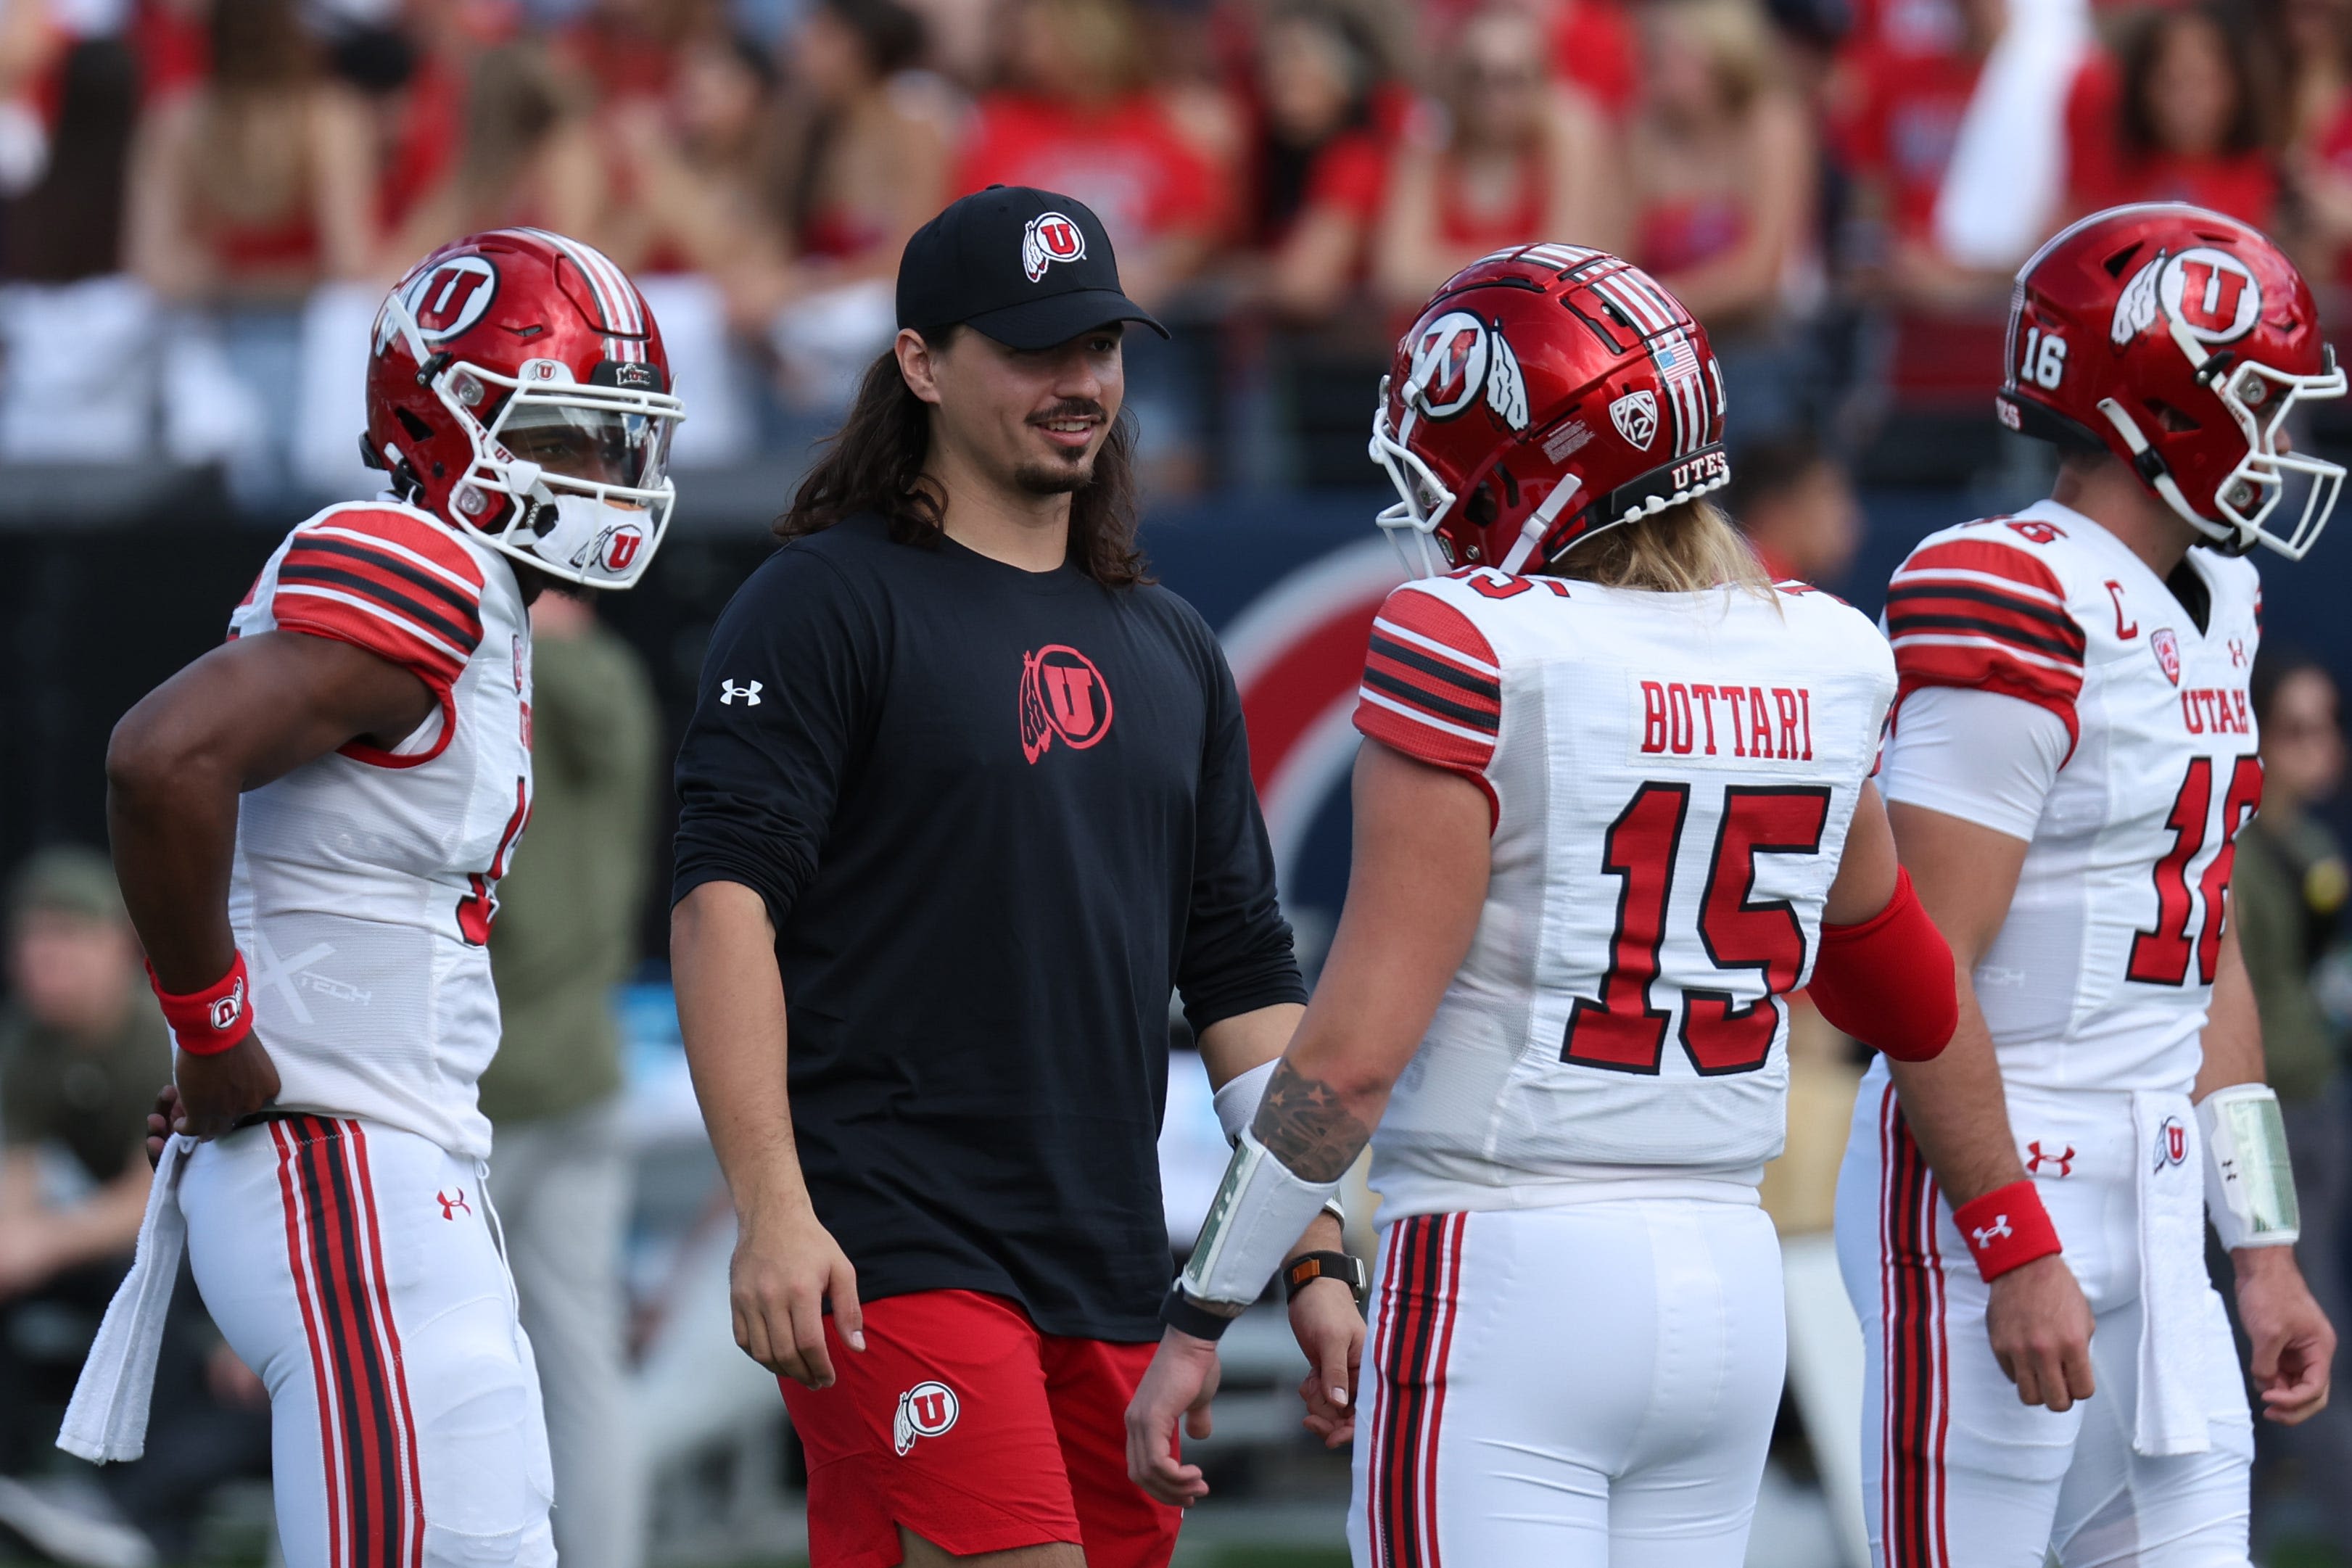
{"points": [[1759, 724]]}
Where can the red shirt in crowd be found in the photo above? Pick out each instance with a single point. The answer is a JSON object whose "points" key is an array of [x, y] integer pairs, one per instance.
{"points": [[2102, 174], [1906, 120], [1592, 45], [1351, 172], [1126, 160]]}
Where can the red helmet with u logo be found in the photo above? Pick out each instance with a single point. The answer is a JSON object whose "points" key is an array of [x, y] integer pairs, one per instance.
{"points": [[1545, 393], [2179, 339], [518, 389]]}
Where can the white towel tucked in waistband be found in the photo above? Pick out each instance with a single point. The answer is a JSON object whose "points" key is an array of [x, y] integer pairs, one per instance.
{"points": [[2173, 1284], [107, 1418]]}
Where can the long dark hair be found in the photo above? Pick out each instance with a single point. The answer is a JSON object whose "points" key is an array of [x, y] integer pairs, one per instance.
{"points": [[2249, 129], [873, 463]]}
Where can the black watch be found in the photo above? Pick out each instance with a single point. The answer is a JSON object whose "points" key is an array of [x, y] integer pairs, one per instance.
{"points": [[1309, 1267]]}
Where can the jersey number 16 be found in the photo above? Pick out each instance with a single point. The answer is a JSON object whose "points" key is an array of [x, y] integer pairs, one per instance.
{"points": [[1623, 1032]]}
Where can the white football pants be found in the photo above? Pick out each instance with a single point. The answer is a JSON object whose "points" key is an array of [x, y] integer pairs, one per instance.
{"points": [[1957, 1472], [355, 1269], [1583, 1386]]}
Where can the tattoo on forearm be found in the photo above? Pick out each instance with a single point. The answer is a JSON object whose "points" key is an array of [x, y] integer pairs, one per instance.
{"points": [[1303, 1122]]}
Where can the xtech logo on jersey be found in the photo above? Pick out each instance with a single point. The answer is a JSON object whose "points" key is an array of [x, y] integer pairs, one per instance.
{"points": [[1062, 694]]}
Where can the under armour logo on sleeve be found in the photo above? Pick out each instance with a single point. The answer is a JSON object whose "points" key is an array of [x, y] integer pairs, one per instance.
{"points": [[1986, 1235], [728, 691]]}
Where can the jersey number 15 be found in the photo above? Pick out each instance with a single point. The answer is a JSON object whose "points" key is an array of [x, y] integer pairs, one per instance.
{"points": [[1623, 1032]]}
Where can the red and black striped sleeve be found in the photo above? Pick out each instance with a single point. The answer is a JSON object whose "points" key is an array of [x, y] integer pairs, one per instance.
{"points": [[1432, 688], [1979, 613], [399, 587]]}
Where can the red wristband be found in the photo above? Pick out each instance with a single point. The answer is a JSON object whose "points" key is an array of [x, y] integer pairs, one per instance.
{"points": [[207, 1022], [2007, 1228]]}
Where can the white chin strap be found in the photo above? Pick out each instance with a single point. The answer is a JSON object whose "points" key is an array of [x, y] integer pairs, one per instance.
{"points": [[2249, 1180], [1261, 1211]]}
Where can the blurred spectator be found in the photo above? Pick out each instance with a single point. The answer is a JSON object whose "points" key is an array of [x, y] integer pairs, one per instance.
{"points": [[1721, 157], [82, 1051], [691, 163], [1320, 165], [257, 183], [631, 49], [67, 225], [1506, 158], [803, 220], [1078, 117], [2311, 41], [1911, 91], [1593, 47], [415, 96], [1796, 504], [566, 934], [2182, 116], [527, 156], [2288, 894]]}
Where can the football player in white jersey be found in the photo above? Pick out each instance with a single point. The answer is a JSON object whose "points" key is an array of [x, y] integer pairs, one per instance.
{"points": [[2021, 1222], [309, 822], [1613, 807]]}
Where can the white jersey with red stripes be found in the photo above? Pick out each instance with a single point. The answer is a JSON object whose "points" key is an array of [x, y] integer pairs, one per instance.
{"points": [[2100, 975], [366, 881], [1670, 778]]}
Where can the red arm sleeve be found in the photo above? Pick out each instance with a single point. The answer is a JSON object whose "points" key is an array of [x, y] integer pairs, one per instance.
{"points": [[400, 587], [1977, 613], [1888, 981], [1432, 688]]}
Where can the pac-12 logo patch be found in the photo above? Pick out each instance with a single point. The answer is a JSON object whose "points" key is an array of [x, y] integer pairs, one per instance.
{"points": [[1062, 693], [1635, 414], [2167, 649], [926, 1410], [1050, 237]]}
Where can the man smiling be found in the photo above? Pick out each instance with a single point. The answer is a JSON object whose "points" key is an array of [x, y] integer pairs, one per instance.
{"points": [[965, 795]]}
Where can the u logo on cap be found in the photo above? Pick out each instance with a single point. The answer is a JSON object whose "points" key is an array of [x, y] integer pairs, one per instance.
{"points": [[1050, 237]]}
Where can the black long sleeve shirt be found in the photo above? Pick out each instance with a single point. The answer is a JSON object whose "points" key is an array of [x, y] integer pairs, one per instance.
{"points": [[996, 815]]}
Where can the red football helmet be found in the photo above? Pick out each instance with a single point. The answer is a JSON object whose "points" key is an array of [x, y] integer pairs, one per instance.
{"points": [[518, 388], [2177, 339], [1545, 394]]}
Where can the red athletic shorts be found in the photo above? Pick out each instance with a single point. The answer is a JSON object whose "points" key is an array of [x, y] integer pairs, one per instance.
{"points": [[964, 1424]]}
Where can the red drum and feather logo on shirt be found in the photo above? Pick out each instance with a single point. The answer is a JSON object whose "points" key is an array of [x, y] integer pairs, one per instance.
{"points": [[1062, 694]]}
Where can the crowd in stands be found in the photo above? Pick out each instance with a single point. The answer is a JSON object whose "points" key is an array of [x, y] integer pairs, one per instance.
{"points": [[1287, 172]]}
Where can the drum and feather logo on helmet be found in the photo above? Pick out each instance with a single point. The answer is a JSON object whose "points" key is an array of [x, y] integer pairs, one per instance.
{"points": [[2210, 293], [1458, 357], [1050, 237]]}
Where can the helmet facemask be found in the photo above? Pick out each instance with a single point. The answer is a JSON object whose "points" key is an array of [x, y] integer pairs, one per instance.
{"points": [[2258, 397], [1422, 499]]}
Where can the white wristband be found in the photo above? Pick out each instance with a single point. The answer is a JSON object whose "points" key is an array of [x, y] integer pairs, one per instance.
{"points": [[1238, 1101], [1261, 1210], [2249, 1180]]}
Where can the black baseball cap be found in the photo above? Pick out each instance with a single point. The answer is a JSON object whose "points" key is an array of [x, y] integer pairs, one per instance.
{"points": [[1028, 268]]}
